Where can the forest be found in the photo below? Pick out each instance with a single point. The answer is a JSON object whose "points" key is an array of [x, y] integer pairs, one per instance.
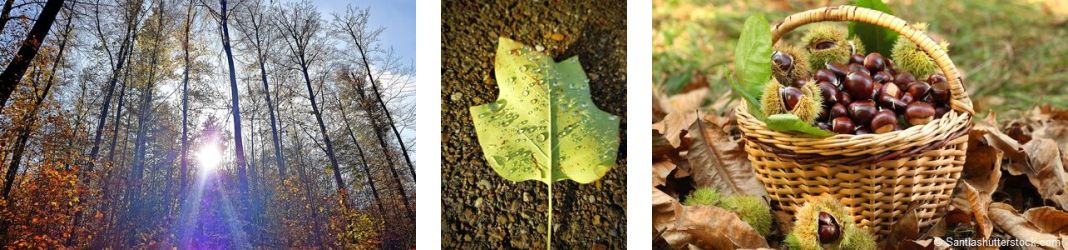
{"points": [[203, 124]]}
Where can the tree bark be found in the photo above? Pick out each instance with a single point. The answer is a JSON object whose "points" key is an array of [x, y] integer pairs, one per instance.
{"points": [[326, 137], [125, 49], [12, 75], [378, 97], [239, 149], [185, 97], [5, 14], [363, 160], [369, 107]]}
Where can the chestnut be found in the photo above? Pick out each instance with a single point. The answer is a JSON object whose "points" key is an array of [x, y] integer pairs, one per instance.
{"points": [[874, 62], [883, 77], [790, 96], [824, 125], [863, 130], [829, 93], [828, 228], [919, 113], [844, 98], [907, 98], [884, 121], [890, 98], [838, 110], [857, 68], [859, 86], [856, 58], [825, 75], [784, 61], [919, 90], [940, 111], [798, 83], [863, 111], [837, 68], [842, 125], [939, 88], [904, 79]]}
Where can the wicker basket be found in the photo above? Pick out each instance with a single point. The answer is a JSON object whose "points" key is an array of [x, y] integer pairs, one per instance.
{"points": [[877, 176]]}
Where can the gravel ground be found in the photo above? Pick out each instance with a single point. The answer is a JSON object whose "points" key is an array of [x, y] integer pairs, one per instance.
{"points": [[482, 210]]}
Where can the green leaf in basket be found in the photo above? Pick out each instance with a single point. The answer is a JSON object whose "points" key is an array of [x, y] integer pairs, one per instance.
{"points": [[752, 59], [791, 123], [875, 38]]}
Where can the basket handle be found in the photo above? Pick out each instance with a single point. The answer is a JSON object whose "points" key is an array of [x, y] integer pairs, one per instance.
{"points": [[960, 100]]}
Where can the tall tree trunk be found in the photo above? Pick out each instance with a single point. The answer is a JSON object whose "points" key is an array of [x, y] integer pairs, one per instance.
{"points": [[118, 117], [342, 191], [144, 121], [274, 128], [363, 160], [185, 97], [12, 75], [369, 107], [26, 124], [378, 97], [239, 148], [129, 39], [5, 14]]}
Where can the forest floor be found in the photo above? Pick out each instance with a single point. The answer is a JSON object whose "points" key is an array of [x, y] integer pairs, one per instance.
{"points": [[480, 209]]}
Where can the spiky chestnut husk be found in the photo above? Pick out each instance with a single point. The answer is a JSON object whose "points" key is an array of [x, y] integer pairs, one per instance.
{"points": [[910, 58], [857, 238], [857, 46], [811, 104], [827, 43], [703, 196], [752, 210], [806, 221], [771, 101], [801, 68]]}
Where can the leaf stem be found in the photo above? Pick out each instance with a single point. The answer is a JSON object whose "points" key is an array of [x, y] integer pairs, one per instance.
{"points": [[549, 233]]}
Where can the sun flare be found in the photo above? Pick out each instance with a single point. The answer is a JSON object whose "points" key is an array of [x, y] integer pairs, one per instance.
{"points": [[209, 156]]}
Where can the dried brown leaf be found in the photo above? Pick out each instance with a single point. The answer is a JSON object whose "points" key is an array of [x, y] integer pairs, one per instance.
{"points": [[720, 162], [661, 170], [906, 228], [1047, 171], [704, 227], [974, 202], [709, 227], [1007, 219], [674, 124], [1048, 219]]}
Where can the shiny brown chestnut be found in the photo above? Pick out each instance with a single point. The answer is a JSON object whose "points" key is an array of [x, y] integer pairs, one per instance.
{"points": [[919, 113], [883, 77], [784, 61], [874, 62], [825, 75], [857, 68], [790, 97], [939, 88], [884, 121], [842, 125], [844, 98], [863, 111], [919, 90], [839, 110], [829, 230], [856, 58], [940, 111], [859, 86], [902, 80], [837, 68], [829, 93]]}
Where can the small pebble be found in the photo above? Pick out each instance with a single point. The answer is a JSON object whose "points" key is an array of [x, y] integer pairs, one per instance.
{"points": [[539, 48], [456, 96]]}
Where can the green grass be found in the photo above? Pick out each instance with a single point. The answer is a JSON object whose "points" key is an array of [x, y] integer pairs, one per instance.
{"points": [[1014, 54]]}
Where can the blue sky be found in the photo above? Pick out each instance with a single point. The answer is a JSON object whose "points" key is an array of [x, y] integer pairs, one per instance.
{"points": [[397, 16]]}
